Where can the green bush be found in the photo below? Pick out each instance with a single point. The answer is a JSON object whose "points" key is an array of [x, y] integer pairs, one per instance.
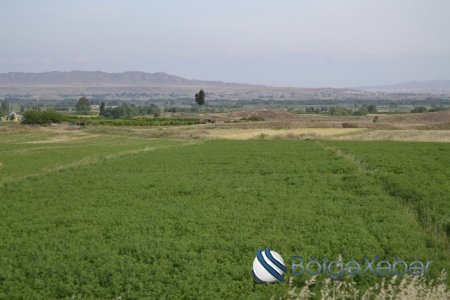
{"points": [[349, 125], [139, 121], [253, 119], [361, 112], [419, 109], [339, 111], [438, 108], [42, 117]]}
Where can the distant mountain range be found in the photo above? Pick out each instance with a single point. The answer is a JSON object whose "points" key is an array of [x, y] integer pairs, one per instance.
{"points": [[97, 78], [429, 86], [133, 78], [57, 85]]}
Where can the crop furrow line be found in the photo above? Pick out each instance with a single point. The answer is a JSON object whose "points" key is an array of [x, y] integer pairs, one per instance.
{"points": [[89, 161], [382, 182], [358, 163]]}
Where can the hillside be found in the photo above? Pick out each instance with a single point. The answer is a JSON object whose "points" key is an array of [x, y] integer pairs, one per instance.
{"points": [[151, 85], [96, 78]]}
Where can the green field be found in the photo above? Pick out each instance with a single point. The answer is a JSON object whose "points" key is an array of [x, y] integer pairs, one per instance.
{"points": [[110, 216]]}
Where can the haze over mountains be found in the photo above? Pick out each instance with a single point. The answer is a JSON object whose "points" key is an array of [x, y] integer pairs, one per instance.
{"points": [[163, 85], [153, 85], [97, 78], [415, 86]]}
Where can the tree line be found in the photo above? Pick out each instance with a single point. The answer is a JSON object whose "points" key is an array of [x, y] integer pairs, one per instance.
{"points": [[341, 111]]}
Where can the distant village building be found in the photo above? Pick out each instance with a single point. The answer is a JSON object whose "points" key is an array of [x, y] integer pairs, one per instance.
{"points": [[13, 116]]}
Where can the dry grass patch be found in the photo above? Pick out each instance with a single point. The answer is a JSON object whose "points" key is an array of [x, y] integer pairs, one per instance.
{"points": [[245, 134], [64, 138], [401, 288], [399, 135]]}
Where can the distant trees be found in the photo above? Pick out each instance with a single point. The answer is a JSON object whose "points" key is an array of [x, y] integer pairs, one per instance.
{"points": [[128, 111], [312, 110], [372, 109], [422, 109], [102, 108], [200, 97], [340, 111], [437, 108], [361, 112], [419, 109], [337, 111], [3, 107], [124, 110], [83, 105], [42, 117], [153, 110]]}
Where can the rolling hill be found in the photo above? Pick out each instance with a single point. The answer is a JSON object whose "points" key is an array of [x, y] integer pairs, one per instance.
{"points": [[56, 84], [97, 78]]}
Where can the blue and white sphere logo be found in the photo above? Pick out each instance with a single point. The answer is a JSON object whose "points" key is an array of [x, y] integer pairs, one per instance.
{"points": [[268, 266]]}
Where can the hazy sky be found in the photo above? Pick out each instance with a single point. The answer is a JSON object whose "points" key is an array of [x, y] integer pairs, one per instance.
{"points": [[313, 43]]}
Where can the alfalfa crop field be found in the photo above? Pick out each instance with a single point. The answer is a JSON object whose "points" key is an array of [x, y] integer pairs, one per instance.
{"points": [[110, 216]]}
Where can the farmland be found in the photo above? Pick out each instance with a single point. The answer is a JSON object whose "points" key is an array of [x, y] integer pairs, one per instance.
{"points": [[103, 213]]}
